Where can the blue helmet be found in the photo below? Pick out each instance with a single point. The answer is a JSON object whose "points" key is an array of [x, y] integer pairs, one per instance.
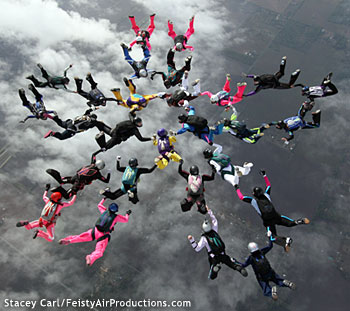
{"points": [[305, 89], [113, 207], [162, 132]]}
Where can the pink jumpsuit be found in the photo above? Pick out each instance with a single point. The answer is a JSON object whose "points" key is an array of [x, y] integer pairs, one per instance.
{"points": [[232, 99], [188, 34], [137, 30], [49, 225], [88, 236]]}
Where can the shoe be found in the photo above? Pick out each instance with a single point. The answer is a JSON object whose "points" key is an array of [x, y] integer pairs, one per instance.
{"points": [[288, 244], [274, 293], [40, 66], [303, 221], [123, 45], [186, 73], [48, 134], [126, 81], [228, 77], [212, 128], [154, 14], [266, 126], [103, 191], [192, 18], [88, 76], [30, 77], [242, 271], [63, 242], [241, 84], [296, 72], [216, 269], [328, 78], [289, 284], [22, 223], [88, 260], [131, 16], [115, 90], [35, 234], [188, 58], [195, 82]]}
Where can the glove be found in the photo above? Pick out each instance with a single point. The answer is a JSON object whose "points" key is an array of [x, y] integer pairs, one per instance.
{"points": [[181, 161], [236, 187], [47, 187], [172, 133], [154, 136], [128, 212], [263, 172], [119, 158], [269, 233], [161, 94]]}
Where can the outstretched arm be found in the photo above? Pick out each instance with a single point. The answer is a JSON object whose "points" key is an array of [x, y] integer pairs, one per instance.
{"points": [[105, 179], [120, 168], [197, 246], [143, 170], [266, 249], [243, 197], [209, 94], [65, 71], [140, 137], [183, 173], [214, 221], [267, 182], [101, 207], [218, 148]]}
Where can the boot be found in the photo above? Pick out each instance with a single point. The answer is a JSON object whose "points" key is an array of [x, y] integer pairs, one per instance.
{"points": [[289, 284], [35, 234], [274, 293], [22, 223], [79, 83], [316, 117], [302, 221]]}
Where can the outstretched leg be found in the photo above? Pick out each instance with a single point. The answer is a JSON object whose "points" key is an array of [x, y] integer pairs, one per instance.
{"points": [[83, 237], [293, 78], [171, 32], [49, 235], [112, 195], [38, 96], [97, 253], [227, 87], [134, 27], [36, 82], [190, 30], [43, 72], [91, 81], [151, 26], [279, 74]]}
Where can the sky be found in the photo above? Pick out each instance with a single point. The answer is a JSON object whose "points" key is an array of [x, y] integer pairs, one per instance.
{"points": [[150, 257]]}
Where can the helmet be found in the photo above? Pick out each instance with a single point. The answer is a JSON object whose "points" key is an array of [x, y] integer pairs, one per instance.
{"points": [[305, 89], [214, 99], [208, 153], [137, 121], [206, 226], [258, 192], [162, 132], [143, 73], [56, 196], [253, 247], [100, 164], [113, 207], [182, 118], [194, 170], [142, 102], [133, 162], [179, 46], [139, 38]]}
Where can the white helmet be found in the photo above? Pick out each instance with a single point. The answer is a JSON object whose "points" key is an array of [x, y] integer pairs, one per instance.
{"points": [[206, 226], [179, 46], [214, 99], [100, 164], [253, 247], [143, 73]]}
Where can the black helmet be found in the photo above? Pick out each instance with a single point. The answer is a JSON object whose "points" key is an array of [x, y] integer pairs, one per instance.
{"points": [[208, 153], [137, 121], [194, 170], [258, 192], [133, 162], [182, 118]]}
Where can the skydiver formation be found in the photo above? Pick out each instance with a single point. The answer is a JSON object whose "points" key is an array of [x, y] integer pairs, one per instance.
{"points": [[219, 162]]}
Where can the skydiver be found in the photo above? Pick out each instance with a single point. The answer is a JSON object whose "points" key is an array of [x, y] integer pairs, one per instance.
{"points": [[78, 125], [268, 81], [198, 126], [55, 82], [122, 132], [135, 102], [215, 248], [165, 144], [180, 41], [240, 130], [182, 96], [84, 176], [131, 175], [195, 188], [95, 97], [223, 97], [327, 88], [142, 36], [37, 109], [49, 215], [262, 204], [291, 124], [174, 76], [101, 232], [263, 271], [140, 67], [222, 163]]}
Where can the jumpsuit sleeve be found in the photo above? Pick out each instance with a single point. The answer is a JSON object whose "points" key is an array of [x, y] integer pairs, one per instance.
{"points": [[254, 92], [140, 137], [184, 129], [183, 173], [71, 202], [214, 221], [144, 170], [172, 139], [268, 185], [247, 262], [101, 207], [120, 218], [198, 246], [266, 249], [45, 198], [65, 71], [105, 179], [192, 111], [243, 197], [207, 93], [209, 178], [216, 165], [218, 148], [132, 43], [187, 47], [120, 168]]}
